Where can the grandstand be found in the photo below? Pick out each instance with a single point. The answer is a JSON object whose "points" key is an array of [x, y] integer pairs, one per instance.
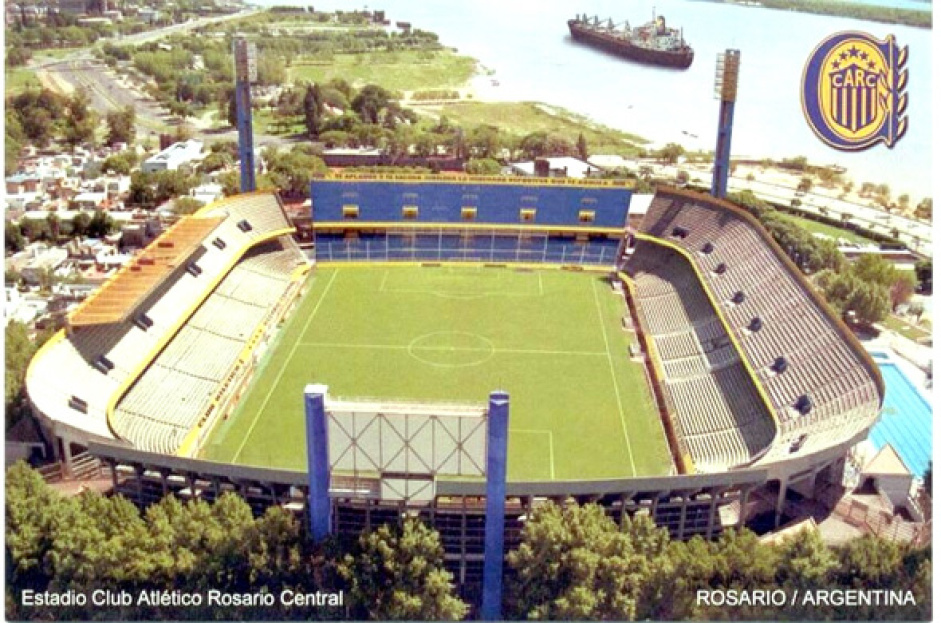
{"points": [[429, 219], [182, 314], [815, 379], [719, 413]]}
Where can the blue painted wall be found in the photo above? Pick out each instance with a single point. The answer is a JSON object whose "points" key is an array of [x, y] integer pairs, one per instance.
{"points": [[441, 202]]}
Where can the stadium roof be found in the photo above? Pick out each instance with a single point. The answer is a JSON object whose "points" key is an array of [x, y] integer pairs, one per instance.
{"points": [[120, 295]]}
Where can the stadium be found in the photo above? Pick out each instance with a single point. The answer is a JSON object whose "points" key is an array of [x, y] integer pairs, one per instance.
{"points": [[681, 367]]}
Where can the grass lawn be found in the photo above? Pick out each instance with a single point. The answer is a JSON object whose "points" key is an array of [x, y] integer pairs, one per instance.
{"points": [[18, 80], [579, 408], [406, 70], [832, 231], [55, 53], [522, 118], [266, 122], [902, 327]]}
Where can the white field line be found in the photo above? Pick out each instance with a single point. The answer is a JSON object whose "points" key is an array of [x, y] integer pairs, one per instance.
{"points": [[284, 367], [541, 431], [513, 351], [614, 377]]}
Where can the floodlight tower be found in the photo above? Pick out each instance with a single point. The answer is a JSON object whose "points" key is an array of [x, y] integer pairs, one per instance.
{"points": [[246, 72], [726, 84]]}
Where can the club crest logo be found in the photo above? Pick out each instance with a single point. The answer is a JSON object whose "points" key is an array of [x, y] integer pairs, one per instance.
{"points": [[853, 91]]}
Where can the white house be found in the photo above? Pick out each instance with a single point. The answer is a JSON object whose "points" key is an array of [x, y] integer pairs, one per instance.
{"points": [[42, 259], [568, 167], [171, 158], [207, 193]]}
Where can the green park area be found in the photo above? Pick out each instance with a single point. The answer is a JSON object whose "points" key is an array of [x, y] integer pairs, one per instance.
{"points": [[522, 118], [831, 231], [398, 70], [580, 408], [18, 80]]}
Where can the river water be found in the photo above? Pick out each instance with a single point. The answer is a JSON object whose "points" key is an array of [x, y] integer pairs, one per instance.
{"points": [[527, 45]]}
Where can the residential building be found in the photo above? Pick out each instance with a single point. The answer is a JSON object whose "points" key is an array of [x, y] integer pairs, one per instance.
{"points": [[174, 156]]}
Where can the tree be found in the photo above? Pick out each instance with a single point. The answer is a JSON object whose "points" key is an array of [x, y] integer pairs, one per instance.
{"points": [[582, 146], [370, 102], [805, 562], [271, 70], [874, 269], [902, 289], [18, 352], [536, 145], [186, 205], [14, 143], [230, 183], [13, 239], [37, 125], [805, 184], [100, 225], [54, 226], [926, 492], [183, 110], [924, 209], [574, 563], [291, 172], [35, 229], [33, 511], [142, 192], [81, 121], [335, 138], [671, 153], [227, 106], [397, 573], [80, 224], [482, 166], [871, 563], [924, 270], [484, 141], [313, 110], [121, 163], [215, 162], [863, 301], [121, 125]]}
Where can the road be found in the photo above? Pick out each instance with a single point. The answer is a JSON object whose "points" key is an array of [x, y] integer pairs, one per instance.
{"points": [[110, 91], [917, 235]]}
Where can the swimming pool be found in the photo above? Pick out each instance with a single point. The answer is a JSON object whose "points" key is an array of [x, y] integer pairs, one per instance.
{"points": [[906, 419]]}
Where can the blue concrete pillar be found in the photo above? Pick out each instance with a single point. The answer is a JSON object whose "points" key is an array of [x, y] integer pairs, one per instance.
{"points": [[497, 437], [720, 171], [318, 461], [243, 115]]}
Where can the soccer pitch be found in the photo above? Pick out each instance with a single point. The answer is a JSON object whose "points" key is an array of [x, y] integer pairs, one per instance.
{"points": [[579, 408]]}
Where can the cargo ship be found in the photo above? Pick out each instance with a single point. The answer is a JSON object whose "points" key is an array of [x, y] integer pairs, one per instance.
{"points": [[653, 43]]}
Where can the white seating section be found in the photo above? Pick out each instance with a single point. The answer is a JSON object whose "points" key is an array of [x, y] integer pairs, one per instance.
{"points": [[821, 364], [73, 367], [719, 414], [180, 384]]}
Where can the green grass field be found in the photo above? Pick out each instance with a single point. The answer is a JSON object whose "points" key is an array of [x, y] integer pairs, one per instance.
{"points": [[16, 81], [579, 408], [816, 227], [522, 118], [405, 70]]}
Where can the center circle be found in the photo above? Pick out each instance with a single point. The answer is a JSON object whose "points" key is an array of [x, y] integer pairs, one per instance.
{"points": [[451, 349]]}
